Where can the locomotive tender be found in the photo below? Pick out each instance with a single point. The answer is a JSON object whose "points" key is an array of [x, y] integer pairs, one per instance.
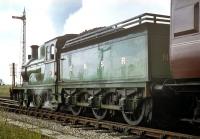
{"points": [[129, 67]]}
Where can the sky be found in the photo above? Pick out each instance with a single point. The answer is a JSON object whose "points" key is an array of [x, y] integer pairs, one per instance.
{"points": [[46, 19]]}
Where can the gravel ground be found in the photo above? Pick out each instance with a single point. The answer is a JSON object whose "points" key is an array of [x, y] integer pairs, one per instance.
{"points": [[56, 130]]}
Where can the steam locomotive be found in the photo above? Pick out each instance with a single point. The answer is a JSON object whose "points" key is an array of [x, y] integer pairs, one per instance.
{"points": [[143, 68]]}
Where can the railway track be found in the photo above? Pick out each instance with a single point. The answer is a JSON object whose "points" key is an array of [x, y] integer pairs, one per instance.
{"points": [[12, 106]]}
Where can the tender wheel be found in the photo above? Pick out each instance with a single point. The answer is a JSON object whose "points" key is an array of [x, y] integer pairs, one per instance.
{"points": [[99, 114], [76, 110], [134, 109]]}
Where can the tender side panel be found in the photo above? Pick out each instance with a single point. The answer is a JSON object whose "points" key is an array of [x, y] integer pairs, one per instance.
{"points": [[185, 39], [117, 59]]}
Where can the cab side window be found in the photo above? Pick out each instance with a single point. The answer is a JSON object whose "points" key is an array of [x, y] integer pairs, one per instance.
{"points": [[42, 52], [50, 51]]}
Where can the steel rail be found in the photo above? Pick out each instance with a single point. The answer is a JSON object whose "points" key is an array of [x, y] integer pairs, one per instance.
{"points": [[68, 118]]}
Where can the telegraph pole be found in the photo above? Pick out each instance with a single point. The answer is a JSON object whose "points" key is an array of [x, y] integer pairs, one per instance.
{"points": [[23, 18], [13, 74]]}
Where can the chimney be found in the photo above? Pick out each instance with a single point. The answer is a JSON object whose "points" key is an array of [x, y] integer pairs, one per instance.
{"points": [[34, 51]]}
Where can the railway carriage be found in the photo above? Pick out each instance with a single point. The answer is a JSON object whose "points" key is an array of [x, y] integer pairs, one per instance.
{"points": [[185, 57]]}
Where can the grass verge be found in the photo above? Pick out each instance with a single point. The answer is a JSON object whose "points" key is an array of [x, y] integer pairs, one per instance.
{"points": [[9, 131], [4, 91]]}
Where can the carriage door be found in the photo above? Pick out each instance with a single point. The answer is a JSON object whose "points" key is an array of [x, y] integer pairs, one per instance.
{"points": [[49, 77]]}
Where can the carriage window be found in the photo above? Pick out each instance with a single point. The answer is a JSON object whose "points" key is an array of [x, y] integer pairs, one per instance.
{"points": [[50, 51], [186, 20]]}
